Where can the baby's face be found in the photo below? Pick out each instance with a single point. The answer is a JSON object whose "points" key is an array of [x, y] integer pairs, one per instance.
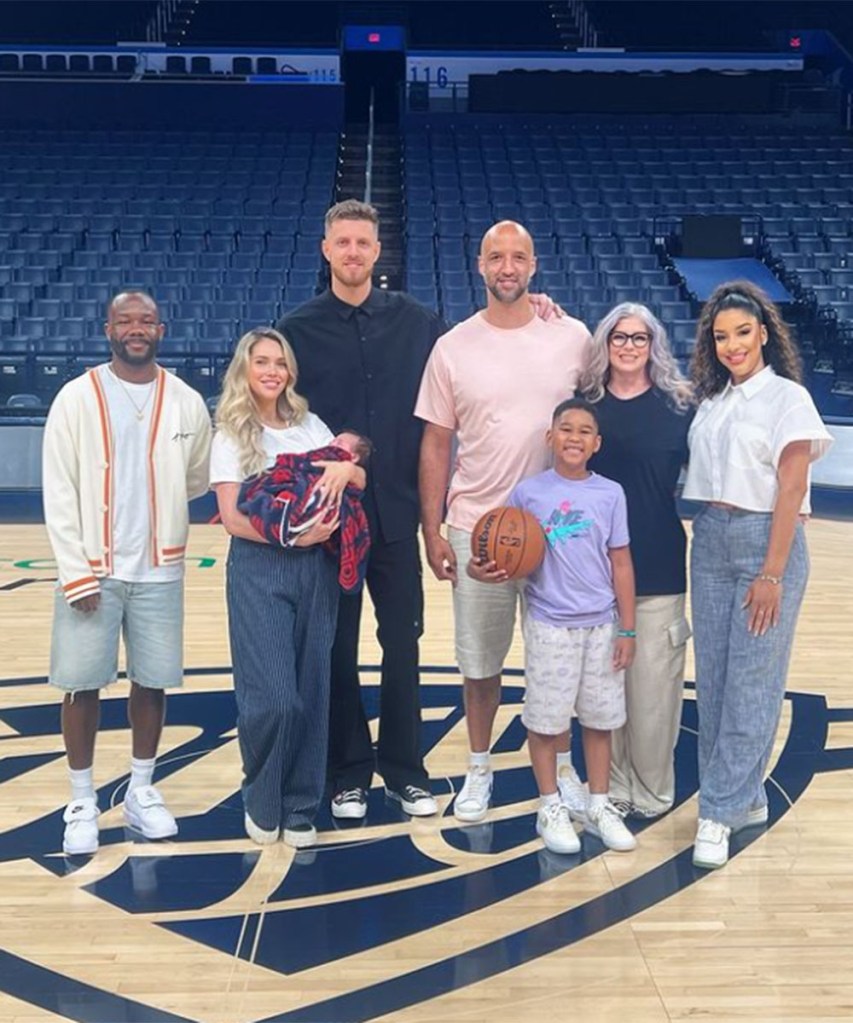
{"points": [[347, 442]]}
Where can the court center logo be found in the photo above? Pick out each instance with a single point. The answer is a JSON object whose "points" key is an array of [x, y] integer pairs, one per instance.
{"points": [[390, 892]]}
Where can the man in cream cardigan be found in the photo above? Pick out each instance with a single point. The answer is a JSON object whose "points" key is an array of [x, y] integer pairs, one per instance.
{"points": [[125, 449]]}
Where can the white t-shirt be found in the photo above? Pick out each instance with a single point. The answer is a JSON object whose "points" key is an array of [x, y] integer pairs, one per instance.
{"points": [[132, 561], [311, 433], [497, 389], [738, 436]]}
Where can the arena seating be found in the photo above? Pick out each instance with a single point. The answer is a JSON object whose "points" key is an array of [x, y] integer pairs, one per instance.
{"points": [[592, 195], [223, 229]]}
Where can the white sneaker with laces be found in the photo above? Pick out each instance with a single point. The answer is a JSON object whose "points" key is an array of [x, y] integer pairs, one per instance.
{"points": [[605, 822], [573, 793], [415, 801], [554, 827], [81, 827], [472, 803], [349, 804], [145, 811], [711, 848]]}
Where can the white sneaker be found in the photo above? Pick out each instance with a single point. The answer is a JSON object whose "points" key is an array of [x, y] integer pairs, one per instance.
{"points": [[572, 792], [755, 818], [472, 803], [711, 848], [259, 835], [605, 822], [300, 836], [554, 827], [145, 811], [81, 827]]}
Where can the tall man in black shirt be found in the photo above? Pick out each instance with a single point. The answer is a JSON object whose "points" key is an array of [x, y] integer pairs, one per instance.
{"points": [[361, 353]]}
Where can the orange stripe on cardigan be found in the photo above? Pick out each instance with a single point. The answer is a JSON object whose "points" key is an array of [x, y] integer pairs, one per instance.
{"points": [[106, 439], [152, 438]]}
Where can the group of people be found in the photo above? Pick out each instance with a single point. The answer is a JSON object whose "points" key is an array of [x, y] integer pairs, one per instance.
{"points": [[517, 405]]}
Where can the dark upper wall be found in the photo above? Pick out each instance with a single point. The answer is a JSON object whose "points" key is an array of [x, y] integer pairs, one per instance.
{"points": [[431, 24], [713, 24], [74, 21], [447, 24]]}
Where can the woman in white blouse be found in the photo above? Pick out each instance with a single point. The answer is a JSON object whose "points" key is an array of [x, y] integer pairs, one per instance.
{"points": [[282, 602], [754, 437]]}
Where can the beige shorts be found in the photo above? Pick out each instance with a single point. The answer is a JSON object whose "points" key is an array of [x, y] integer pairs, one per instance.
{"points": [[484, 615], [570, 671]]}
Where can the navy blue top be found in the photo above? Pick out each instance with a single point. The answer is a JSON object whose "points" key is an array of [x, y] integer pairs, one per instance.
{"points": [[360, 367], [643, 447]]}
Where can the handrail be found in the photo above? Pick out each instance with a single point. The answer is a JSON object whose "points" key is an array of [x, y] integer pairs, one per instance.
{"points": [[368, 170]]}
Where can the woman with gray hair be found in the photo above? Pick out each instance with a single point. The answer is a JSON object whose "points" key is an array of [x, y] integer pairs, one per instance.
{"points": [[645, 407]]}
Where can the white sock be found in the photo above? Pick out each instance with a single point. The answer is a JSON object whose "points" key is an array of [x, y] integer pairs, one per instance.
{"points": [[565, 767], [141, 772], [597, 799], [551, 799], [82, 783], [480, 760]]}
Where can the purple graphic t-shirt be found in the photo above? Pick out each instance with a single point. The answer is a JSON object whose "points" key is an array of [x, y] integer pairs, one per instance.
{"points": [[582, 520]]}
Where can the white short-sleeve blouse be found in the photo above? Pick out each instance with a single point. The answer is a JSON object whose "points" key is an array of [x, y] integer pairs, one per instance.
{"points": [[738, 436], [311, 433]]}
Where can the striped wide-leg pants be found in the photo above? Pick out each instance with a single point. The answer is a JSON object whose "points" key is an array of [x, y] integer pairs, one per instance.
{"points": [[282, 610]]}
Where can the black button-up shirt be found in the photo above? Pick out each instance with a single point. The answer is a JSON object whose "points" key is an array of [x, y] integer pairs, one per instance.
{"points": [[360, 367]]}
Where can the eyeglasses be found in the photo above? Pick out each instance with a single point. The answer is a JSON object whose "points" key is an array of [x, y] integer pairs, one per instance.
{"points": [[638, 340]]}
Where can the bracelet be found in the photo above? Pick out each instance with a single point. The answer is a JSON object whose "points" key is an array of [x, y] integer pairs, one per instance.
{"points": [[627, 633], [766, 578]]}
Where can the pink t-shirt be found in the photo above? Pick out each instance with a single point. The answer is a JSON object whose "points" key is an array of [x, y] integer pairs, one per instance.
{"points": [[497, 389]]}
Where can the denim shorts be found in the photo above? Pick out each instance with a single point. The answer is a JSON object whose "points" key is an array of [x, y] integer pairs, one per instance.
{"points": [[149, 617]]}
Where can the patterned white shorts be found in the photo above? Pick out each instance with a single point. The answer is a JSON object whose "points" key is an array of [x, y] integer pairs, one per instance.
{"points": [[570, 671]]}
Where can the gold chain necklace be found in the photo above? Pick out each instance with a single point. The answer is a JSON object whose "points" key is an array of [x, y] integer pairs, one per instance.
{"points": [[139, 410]]}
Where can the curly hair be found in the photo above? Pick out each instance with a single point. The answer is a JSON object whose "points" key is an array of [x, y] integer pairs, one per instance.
{"points": [[662, 368], [709, 375], [237, 414]]}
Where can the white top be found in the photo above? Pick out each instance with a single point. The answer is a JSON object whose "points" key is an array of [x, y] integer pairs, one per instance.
{"points": [[311, 433], [738, 436], [131, 518]]}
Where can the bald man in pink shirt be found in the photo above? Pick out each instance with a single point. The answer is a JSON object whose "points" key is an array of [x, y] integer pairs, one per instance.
{"points": [[493, 382]]}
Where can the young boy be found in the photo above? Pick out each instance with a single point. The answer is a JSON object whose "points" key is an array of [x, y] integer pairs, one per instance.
{"points": [[578, 624]]}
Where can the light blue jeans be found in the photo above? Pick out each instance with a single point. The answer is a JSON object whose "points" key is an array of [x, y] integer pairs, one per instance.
{"points": [[740, 678], [148, 616]]}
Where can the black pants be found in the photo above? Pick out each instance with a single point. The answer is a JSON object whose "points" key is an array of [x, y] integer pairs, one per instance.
{"points": [[396, 588]]}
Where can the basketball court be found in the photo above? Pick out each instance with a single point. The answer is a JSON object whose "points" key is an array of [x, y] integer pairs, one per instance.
{"points": [[412, 920]]}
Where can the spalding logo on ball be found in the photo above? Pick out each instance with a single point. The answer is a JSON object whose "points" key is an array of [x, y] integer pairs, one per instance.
{"points": [[512, 538]]}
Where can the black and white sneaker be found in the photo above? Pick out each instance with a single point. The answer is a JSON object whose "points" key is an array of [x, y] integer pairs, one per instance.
{"points": [[350, 804], [416, 802]]}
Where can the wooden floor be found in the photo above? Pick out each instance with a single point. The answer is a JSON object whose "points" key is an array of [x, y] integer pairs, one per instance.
{"points": [[413, 921]]}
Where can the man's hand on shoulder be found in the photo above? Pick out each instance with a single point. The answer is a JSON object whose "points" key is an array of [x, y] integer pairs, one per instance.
{"points": [[546, 308]]}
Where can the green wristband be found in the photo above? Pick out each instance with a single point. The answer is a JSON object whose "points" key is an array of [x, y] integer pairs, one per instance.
{"points": [[627, 633]]}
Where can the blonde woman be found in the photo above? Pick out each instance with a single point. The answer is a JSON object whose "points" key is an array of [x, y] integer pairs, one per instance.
{"points": [[282, 602]]}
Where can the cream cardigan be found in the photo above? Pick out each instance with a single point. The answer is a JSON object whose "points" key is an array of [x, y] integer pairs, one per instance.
{"points": [[77, 477]]}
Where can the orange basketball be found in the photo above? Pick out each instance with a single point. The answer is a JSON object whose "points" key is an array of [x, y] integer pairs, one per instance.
{"points": [[512, 538]]}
